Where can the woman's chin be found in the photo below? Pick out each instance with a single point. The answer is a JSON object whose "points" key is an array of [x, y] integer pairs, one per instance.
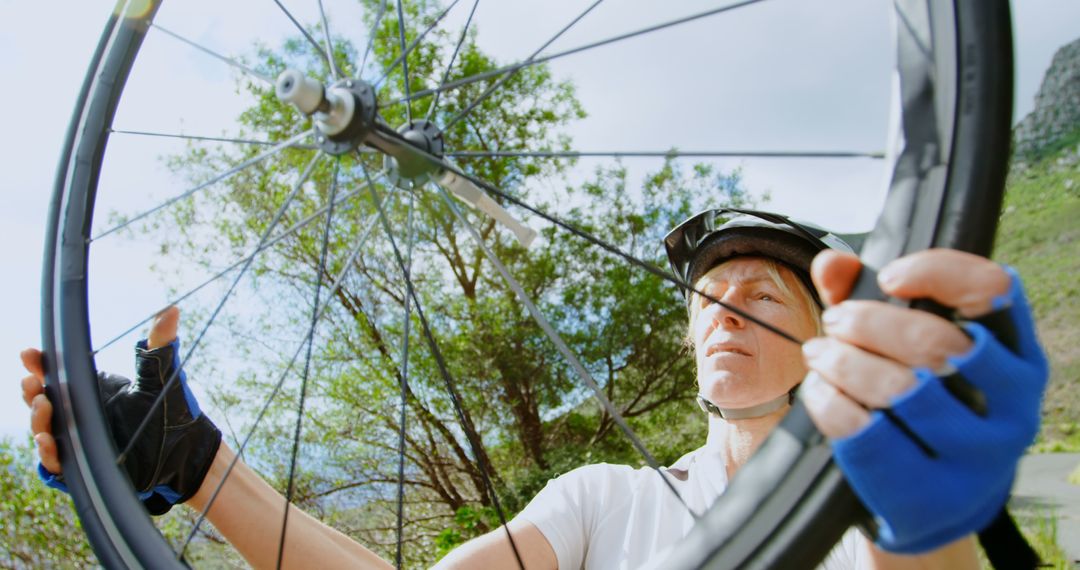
{"points": [[727, 390]]}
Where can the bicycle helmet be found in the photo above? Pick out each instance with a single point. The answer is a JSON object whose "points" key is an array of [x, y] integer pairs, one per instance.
{"points": [[713, 236]]}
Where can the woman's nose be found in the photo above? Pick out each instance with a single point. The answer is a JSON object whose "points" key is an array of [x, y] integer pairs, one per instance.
{"points": [[725, 314], [729, 318]]}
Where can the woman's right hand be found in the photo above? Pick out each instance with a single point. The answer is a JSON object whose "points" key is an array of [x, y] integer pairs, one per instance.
{"points": [[162, 332], [33, 390], [169, 443]]}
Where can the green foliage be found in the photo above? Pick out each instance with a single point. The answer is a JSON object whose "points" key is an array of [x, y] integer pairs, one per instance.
{"points": [[38, 526], [533, 415], [1038, 235], [467, 522], [1040, 528]]}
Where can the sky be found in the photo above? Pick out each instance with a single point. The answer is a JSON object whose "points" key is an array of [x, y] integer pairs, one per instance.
{"points": [[781, 75]]}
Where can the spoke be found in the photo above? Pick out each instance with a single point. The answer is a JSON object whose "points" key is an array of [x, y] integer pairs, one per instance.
{"points": [[258, 158], [491, 88], [371, 36], [269, 243], [206, 138], [393, 65], [311, 40], [307, 362], [543, 59], [466, 425], [329, 43], [338, 281], [404, 61], [570, 357], [260, 76], [450, 66], [410, 238], [645, 265], [666, 154], [174, 377]]}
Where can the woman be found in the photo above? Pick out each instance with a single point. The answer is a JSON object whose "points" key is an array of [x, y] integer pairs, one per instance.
{"points": [[605, 516]]}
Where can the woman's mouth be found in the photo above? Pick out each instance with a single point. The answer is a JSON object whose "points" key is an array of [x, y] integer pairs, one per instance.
{"points": [[726, 349]]}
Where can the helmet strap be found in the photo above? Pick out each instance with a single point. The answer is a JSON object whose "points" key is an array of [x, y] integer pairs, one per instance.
{"points": [[757, 411]]}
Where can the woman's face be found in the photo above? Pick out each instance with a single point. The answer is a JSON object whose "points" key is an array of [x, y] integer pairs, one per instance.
{"points": [[741, 364]]}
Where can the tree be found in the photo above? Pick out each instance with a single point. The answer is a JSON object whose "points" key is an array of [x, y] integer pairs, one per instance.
{"points": [[38, 526], [533, 415]]}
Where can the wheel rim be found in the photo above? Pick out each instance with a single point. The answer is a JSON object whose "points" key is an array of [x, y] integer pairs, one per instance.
{"points": [[121, 532]]}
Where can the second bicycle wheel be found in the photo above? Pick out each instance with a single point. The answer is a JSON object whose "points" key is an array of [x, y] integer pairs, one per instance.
{"points": [[260, 220]]}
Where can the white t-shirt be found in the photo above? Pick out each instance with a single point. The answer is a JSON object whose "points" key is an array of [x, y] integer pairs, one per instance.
{"points": [[604, 516]]}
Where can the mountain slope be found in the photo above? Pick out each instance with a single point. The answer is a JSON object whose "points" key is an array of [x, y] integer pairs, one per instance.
{"points": [[1039, 234]]}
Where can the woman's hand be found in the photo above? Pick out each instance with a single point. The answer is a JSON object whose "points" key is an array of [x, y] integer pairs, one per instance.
{"points": [[927, 417], [33, 392], [870, 349], [162, 332]]}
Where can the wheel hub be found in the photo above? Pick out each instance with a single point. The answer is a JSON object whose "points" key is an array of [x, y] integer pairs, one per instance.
{"points": [[411, 169], [343, 113], [345, 118]]}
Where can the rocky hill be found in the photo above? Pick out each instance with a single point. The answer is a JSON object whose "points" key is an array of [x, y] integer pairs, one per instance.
{"points": [[1040, 236], [1055, 122]]}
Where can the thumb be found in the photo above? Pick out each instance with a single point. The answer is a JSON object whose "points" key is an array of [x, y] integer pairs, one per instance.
{"points": [[163, 330], [48, 454], [834, 275], [32, 360]]}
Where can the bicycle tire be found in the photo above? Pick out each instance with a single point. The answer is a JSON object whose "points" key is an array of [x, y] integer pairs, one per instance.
{"points": [[764, 521]]}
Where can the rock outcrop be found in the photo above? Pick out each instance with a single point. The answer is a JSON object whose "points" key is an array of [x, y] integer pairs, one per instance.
{"points": [[1056, 116]]}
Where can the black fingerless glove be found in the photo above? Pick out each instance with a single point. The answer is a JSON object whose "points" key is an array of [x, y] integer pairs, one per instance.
{"points": [[170, 459]]}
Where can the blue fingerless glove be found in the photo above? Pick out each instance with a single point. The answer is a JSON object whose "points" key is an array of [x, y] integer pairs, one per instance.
{"points": [[54, 480], [922, 500], [170, 459]]}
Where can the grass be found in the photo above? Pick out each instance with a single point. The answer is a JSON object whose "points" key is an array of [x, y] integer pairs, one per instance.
{"points": [[1040, 530], [1039, 236], [1041, 533], [1063, 437]]}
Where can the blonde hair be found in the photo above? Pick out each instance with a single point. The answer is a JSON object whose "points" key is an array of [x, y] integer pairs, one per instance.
{"points": [[772, 267]]}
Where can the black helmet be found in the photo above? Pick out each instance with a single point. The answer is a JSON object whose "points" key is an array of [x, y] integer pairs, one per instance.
{"points": [[713, 236]]}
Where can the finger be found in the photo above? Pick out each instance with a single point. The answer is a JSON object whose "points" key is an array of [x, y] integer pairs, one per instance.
{"points": [[31, 359], [965, 281], [835, 414], [50, 458], [163, 331], [31, 386], [834, 274], [867, 378], [913, 338], [40, 415]]}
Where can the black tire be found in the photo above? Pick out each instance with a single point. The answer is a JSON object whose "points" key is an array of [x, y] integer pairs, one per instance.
{"points": [[770, 516], [119, 528]]}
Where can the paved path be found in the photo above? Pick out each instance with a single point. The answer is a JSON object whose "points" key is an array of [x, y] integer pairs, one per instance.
{"points": [[1042, 485]]}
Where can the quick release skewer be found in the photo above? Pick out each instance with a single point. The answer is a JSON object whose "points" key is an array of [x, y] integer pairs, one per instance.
{"points": [[343, 113]]}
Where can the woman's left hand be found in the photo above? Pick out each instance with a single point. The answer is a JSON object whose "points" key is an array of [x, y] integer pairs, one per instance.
{"points": [[886, 383], [870, 349]]}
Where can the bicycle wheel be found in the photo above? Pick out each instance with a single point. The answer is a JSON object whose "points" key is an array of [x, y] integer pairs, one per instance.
{"points": [[954, 68]]}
